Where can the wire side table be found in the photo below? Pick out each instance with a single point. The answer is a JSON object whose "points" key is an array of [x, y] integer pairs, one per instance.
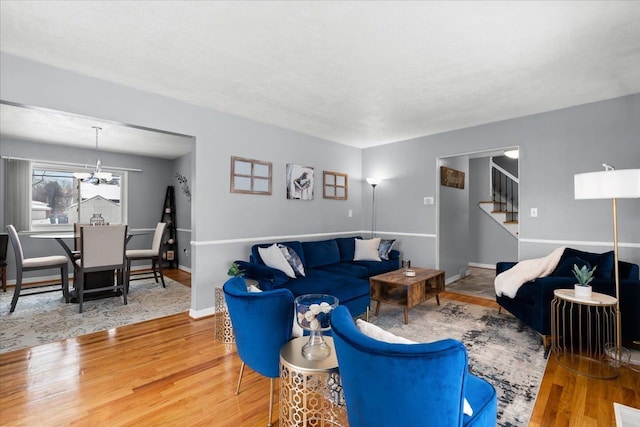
{"points": [[581, 331], [310, 390], [223, 328]]}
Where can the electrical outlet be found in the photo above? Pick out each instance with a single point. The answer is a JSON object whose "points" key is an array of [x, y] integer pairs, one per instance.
{"points": [[534, 212]]}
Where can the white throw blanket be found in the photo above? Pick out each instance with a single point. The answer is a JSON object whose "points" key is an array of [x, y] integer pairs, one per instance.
{"points": [[508, 282]]}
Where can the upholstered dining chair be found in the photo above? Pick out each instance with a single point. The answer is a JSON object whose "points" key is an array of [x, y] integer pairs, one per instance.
{"points": [[102, 250], [4, 243], [261, 324], [152, 254], [38, 263], [419, 384]]}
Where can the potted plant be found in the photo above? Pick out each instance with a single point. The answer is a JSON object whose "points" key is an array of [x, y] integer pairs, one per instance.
{"points": [[585, 276], [235, 270]]}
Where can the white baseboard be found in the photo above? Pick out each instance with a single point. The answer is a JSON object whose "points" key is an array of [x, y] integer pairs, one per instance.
{"points": [[480, 265], [452, 279], [199, 314]]}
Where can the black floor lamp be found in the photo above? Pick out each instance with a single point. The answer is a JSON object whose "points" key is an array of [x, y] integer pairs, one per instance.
{"points": [[610, 184], [373, 182]]}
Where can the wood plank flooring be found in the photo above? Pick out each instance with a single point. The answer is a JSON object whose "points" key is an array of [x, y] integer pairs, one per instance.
{"points": [[171, 371]]}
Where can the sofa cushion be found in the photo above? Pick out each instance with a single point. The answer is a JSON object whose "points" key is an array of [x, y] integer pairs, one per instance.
{"points": [[347, 269], [379, 267], [565, 268], [293, 259], [295, 245], [322, 282], [367, 250], [323, 252], [347, 247], [604, 261], [385, 248], [273, 257]]}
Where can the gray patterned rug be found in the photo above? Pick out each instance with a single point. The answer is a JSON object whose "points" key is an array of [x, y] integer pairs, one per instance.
{"points": [[45, 318], [501, 350]]}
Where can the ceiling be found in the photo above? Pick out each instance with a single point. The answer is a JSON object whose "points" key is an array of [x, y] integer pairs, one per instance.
{"points": [[357, 73]]}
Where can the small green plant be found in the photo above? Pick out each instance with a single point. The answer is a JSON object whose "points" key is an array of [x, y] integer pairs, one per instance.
{"points": [[235, 270], [583, 274]]}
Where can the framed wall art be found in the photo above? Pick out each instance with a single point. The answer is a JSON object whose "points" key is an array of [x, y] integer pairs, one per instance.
{"points": [[299, 182], [451, 177], [249, 176], [335, 185]]}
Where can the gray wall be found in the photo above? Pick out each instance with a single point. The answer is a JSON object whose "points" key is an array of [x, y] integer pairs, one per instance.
{"points": [[553, 147], [223, 225], [488, 241], [146, 190]]}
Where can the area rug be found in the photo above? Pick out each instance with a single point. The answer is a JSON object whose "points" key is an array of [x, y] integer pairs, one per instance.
{"points": [[501, 350], [45, 318]]}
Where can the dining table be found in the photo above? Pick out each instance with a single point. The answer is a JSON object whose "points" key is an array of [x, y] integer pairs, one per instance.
{"points": [[93, 280]]}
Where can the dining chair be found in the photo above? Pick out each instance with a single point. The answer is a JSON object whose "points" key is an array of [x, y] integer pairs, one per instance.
{"points": [[261, 324], [103, 249], [38, 263], [152, 254], [4, 243]]}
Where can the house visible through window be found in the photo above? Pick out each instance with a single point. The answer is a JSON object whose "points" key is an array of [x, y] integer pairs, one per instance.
{"points": [[58, 199]]}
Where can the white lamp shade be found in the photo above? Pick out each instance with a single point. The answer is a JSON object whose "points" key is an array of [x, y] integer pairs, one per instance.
{"points": [[615, 184], [374, 180]]}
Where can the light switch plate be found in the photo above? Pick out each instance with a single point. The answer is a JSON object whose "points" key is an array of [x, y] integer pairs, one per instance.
{"points": [[428, 200], [534, 212]]}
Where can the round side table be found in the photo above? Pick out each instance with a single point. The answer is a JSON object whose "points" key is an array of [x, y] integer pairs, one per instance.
{"points": [[310, 390], [581, 328]]}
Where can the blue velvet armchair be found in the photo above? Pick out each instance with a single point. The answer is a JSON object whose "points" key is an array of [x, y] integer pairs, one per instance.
{"points": [[262, 325], [408, 384]]}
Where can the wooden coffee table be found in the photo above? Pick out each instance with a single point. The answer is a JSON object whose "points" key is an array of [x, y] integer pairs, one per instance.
{"points": [[396, 288]]}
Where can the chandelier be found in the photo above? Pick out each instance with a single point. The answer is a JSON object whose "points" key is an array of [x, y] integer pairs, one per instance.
{"points": [[97, 176]]}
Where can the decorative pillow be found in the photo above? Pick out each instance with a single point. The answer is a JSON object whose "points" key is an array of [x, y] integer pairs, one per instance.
{"points": [[367, 250], [385, 248], [254, 288], [377, 333], [272, 257], [604, 261], [293, 259], [565, 268]]}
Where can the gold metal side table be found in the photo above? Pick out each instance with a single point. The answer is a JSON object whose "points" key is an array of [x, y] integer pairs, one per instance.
{"points": [[223, 328], [310, 390], [581, 330]]}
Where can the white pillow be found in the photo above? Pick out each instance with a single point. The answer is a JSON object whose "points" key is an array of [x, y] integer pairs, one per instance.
{"points": [[377, 333], [254, 288], [367, 250], [272, 257]]}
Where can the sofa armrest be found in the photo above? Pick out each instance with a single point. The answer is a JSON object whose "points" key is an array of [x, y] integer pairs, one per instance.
{"points": [[268, 278], [504, 266]]}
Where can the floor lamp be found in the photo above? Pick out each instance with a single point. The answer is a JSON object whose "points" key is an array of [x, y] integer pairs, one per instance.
{"points": [[610, 184], [373, 182]]}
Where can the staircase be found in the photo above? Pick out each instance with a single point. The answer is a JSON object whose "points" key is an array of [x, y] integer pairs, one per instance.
{"points": [[503, 207]]}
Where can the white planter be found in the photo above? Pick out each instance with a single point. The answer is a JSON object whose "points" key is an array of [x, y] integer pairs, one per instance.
{"points": [[582, 291]]}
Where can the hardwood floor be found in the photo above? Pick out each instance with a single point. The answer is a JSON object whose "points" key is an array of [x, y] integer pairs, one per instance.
{"points": [[171, 371]]}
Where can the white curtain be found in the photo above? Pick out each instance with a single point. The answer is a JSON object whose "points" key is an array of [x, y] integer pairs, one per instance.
{"points": [[17, 193]]}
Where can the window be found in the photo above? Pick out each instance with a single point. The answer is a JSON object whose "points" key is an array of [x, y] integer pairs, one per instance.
{"points": [[335, 185], [250, 176], [58, 199]]}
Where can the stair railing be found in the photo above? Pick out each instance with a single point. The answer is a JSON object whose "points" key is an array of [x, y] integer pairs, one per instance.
{"points": [[504, 190]]}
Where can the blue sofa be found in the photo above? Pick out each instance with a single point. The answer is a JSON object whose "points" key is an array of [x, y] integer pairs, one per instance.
{"points": [[329, 269], [532, 303]]}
